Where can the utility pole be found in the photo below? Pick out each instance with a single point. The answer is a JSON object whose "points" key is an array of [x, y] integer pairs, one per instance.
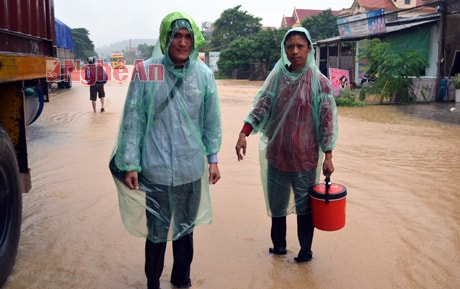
{"points": [[440, 73], [443, 37]]}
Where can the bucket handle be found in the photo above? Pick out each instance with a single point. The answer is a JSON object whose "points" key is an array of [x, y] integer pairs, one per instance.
{"points": [[327, 183]]}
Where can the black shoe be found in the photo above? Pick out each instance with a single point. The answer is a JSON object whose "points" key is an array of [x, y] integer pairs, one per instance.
{"points": [[177, 285], [277, 251], [304, 258], [102, 109]]}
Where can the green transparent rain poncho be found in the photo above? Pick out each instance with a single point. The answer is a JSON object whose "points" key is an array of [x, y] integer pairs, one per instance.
{"points": [[171, 123], [296, 116]]}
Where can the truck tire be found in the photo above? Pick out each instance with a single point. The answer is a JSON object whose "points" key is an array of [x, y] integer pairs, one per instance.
{"points": [[65, 84], [68, 83], [10, 206]]}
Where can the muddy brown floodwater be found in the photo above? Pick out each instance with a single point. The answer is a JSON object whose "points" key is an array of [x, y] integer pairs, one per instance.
{"points": [[402, 174]]}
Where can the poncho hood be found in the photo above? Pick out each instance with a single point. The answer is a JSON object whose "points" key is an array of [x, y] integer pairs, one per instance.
{"points": [[311, 56], [166, 28]]}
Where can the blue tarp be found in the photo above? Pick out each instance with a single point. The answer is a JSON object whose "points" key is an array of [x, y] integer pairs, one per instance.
{"points": [[63, 35]]}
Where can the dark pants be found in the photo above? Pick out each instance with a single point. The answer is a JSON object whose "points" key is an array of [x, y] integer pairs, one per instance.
{"points": [[177, 207], [279, 190], [305, 232], [183, 256]]}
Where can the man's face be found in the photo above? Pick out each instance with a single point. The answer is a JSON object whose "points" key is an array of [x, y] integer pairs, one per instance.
{"points": [[297, 50], [181, 46]]}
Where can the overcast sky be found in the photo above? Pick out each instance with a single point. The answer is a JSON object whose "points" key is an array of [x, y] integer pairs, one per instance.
{"points": [[110, 21]]}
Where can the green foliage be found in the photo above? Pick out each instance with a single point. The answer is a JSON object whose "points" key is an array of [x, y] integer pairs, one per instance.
{"points": [[236, 56], [365, 89], [321, 26], [205, 47], [263, 46], [130, 56], [145, 50], [239, 37], [83, 46], [232, 25], [347, 97], [457, 80], [371, 50], [394, 70], [425, 91], [268, 45]]}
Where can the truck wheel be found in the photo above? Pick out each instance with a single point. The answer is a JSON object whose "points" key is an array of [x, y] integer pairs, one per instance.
{"points": [[68, 83], [10, 206]]}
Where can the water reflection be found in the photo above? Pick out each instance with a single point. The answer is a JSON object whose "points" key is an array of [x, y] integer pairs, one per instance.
{"points": [[444, 112], [448, 112]]}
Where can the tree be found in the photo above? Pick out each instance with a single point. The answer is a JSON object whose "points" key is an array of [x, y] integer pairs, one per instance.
{"points": [[231, 25], [130, 56], [268, 45], [321, 26], [83, 46], [263, 46], [236, 56], [145, 50], [395, 69]]}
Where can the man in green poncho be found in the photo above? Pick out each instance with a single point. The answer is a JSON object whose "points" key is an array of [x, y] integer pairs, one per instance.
{"points": [[296, 116], [170, 128]]}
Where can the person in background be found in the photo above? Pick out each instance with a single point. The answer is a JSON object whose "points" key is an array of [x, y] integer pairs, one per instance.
{"points": [[171, 126], [96, 78], [296, 116]]}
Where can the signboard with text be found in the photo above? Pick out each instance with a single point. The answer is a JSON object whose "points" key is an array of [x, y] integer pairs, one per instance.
{"points": [[362, 24], [340, 79]]}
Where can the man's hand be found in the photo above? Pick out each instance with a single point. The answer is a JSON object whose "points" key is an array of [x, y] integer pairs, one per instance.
{"points": [[241, 147], [328, 166], [131, 180], [214, 174]]}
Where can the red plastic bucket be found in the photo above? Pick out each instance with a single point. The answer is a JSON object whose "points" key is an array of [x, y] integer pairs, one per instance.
{"points": [[328, 202]]}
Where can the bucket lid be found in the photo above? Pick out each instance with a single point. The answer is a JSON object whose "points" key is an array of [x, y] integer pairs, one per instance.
{"points": [[336, 191]]}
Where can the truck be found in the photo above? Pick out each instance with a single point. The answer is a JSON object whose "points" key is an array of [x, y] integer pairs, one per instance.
{"points": [[28, 59], [117, 60], [65, 54]]}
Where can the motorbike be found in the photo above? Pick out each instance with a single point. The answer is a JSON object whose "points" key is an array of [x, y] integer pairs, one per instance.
{"points": [[366, 77]]}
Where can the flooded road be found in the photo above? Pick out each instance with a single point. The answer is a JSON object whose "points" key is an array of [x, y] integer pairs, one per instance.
{"points": [[402, 174]]}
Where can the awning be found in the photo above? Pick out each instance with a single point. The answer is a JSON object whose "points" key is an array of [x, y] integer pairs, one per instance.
{"points": [[391, 27]]}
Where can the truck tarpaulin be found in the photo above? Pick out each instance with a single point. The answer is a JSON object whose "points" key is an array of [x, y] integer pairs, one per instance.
{"points": [[63, 35]]}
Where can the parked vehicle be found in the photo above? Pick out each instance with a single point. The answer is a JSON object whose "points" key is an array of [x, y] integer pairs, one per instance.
{"points": [[65, 53], [117, 60], [29, 56], [367, 78]]}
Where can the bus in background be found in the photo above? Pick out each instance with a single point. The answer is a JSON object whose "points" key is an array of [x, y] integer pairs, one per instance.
{"points": [[117, 60]]}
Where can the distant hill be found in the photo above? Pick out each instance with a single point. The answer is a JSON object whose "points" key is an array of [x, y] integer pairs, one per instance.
{"points": [[120, 46]]}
